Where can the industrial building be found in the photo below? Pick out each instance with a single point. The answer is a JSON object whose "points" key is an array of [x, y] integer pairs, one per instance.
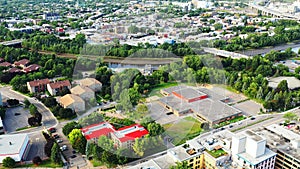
{"points": [[207, 106], [15, 146]]}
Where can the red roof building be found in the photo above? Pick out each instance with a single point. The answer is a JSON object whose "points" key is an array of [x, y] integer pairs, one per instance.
{"points": [[94, 131], [14, 70], [31, 68], [58, 86], [5, 64], [23, 63], [37, 85], [125, 136]]}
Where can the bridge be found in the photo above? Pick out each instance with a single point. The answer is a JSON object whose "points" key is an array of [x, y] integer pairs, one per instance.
{"points": [[269, 12], [16, 42], [224, 53]]}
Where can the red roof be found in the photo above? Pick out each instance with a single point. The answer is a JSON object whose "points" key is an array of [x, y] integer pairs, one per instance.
{"points": [[97, 130], [5, 64], [137, 131], [14, 70], [59, 84], [39, 82], [1, 59], [31, 68], [22, 62]]}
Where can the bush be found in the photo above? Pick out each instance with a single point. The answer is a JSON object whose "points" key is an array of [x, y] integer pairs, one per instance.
{"points": [[37, 160], [13, 102], [8, 162]]}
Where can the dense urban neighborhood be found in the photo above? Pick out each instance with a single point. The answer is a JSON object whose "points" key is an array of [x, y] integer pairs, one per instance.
{"points": [[150, 84]]}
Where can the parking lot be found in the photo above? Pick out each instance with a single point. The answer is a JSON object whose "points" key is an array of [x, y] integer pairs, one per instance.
{"points": [[233, 97], [160, 114], [15, 118], [249, 107], [37, 144]]}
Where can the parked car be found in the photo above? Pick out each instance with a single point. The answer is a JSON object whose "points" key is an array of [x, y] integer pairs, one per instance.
{"points": [[63, 148], [56, 136], [73, 156], [252, 118], [52, 130], [230, 126], [59, 141]]}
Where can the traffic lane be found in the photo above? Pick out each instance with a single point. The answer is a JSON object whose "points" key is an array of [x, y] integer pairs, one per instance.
{"points": [[37, 142], [48, 118]]}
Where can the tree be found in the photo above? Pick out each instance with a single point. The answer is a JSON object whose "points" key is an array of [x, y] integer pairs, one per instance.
{"points": [[2, 112], [179, 165], [13, 102], [37, 160], [8, 162], [289, 116], [282, 86], [32, 109], [77, 140], [26, 103], [155, 129], [139, 147], [141, 109], [55, 154], [69, 127], [48, 147]]}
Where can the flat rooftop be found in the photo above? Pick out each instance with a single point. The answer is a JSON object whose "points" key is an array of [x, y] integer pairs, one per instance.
{"points": [[276, 142], [16, 140], [161, 162], [253, 135], [281, 131], [189, 93], [169, 90], [268, 154], [293, 83]]}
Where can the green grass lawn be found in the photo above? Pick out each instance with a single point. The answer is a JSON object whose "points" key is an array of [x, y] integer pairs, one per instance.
{"points": [[157, 88], [217, 153], [182, 130], [45, 164]]}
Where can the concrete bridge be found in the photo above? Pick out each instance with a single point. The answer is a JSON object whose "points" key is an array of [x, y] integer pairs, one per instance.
{"points": [[224, 53], [269, 12], [14, 43]]}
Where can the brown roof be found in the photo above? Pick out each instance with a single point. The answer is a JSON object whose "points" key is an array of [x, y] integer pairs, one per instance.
{"points": [[69, 99], [1, 59], [5, 64], [39, 82], [89, 81], [22, 62], [78, 90], [60, 84], [31, 68], [14, 70]]}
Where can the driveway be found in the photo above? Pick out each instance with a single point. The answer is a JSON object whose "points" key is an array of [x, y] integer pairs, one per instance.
{"points": [[15, 118]]}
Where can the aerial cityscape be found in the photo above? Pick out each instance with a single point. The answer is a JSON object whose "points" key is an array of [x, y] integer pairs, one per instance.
{"points": [[150, 84]]}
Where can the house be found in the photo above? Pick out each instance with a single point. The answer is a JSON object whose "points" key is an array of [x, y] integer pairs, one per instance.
{"points": [[37, 85], [31, 68], [22, 63], [94, 131], [58, 86], [84, 92], [5, 64], [14, 70], [125, 136], [91, 83], [15, 146], [73, 102]]}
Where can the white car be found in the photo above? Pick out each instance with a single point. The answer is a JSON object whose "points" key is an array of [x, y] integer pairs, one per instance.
{"points": [[63, 148], [59, 141]]}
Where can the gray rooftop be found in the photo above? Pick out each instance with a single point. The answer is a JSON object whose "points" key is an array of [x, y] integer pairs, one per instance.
{"points": [[268, 154], [16, 140], [293, 83], [276, 142], [171, 89], [281, 131], [189, 93]]}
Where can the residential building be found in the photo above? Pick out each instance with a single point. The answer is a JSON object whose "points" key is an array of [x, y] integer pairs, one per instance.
{"points": [[84, 92], [15, 146], [73, 102], [207, 106], [5, 64], [58, 86], [125, 136], [285, 143], [91, 83], [249, 151], [94, 131], [37, 85], [31, 68], [51, 16], [22, 63]]}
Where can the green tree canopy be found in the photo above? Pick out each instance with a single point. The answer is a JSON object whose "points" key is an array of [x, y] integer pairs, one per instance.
{"points": [[77, 140]]}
